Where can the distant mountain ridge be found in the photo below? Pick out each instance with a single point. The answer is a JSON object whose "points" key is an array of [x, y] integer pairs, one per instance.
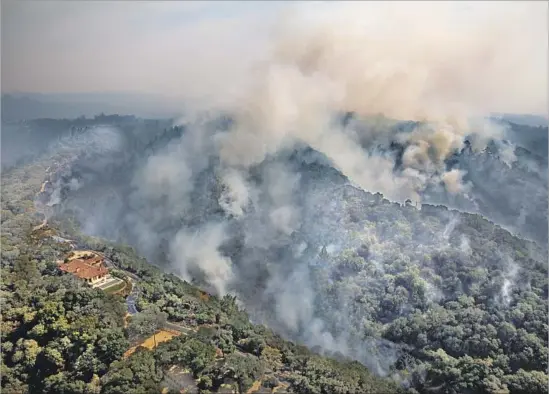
{"points": [[27, 106], [524, 119]]}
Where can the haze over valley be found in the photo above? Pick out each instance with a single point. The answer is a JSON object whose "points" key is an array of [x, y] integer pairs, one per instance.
{"points": [[323, 197]]}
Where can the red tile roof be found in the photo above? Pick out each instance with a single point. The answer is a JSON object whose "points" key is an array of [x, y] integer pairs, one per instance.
{"points": [[97, 260], [83, 269]]}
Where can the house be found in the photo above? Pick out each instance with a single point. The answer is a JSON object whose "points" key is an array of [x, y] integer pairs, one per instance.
{"points": [[91, 270], [94, 261]]}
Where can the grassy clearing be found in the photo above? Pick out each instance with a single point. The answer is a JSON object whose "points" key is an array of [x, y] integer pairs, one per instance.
{"points": [[81, 253], [153, 341], [116, 288], [126, 290]]}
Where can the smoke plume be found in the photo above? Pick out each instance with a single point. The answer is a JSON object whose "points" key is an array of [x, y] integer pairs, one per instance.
{"points": [[243, 188]]}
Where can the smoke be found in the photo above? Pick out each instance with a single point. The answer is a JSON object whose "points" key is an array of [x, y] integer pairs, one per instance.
{"points": [[99, 140], [507, 154], [405, 62], [465, 246], [101, 143], [450, 227], [242, 188], [509, 278], [236, 195], [196, 254], [453, 181]]}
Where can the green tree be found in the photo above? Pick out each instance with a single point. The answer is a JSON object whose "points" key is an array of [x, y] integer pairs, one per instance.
{"points": [[527, 382]]}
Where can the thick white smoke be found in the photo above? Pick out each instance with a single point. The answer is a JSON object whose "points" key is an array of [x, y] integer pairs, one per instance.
{"points": [[198, 251], [383, 62], [417, 62], [405, 61], [235, 196]]}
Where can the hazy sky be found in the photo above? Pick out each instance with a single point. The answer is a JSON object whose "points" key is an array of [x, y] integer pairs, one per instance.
{"points": [[162, 47], [195, 49]]}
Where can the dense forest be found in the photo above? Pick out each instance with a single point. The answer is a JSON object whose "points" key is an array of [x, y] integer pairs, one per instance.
{"points": [[61, 336], [433, 299], [310, 198]]}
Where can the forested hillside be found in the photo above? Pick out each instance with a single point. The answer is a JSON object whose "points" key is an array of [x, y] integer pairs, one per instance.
{"points": [[61, 336], [23, 140], [304, 197], [433, 299]]}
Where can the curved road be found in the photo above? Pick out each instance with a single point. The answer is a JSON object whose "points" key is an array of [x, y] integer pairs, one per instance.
{"points": [[132, 298]]}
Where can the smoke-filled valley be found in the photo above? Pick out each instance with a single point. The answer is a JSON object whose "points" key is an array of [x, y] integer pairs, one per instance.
{"points": [[313, 256], [356, 197]]}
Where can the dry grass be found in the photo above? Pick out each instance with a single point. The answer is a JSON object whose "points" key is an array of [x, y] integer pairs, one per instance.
{"points": [[204, 296], [281, 386], [81, 253], [43, 188], [153, 340], [41, 225], [256, 386]]}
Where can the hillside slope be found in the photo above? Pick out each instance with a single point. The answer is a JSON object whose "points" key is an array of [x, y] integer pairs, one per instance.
{"points": [[61, 336], [433, 298]]}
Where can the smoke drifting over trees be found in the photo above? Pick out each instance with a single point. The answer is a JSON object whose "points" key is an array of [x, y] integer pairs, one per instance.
{"points": [[305, 201]]}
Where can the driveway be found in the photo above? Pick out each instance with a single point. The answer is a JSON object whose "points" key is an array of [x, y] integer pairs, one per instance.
{"points": [[132, 310], [132, 298]]}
